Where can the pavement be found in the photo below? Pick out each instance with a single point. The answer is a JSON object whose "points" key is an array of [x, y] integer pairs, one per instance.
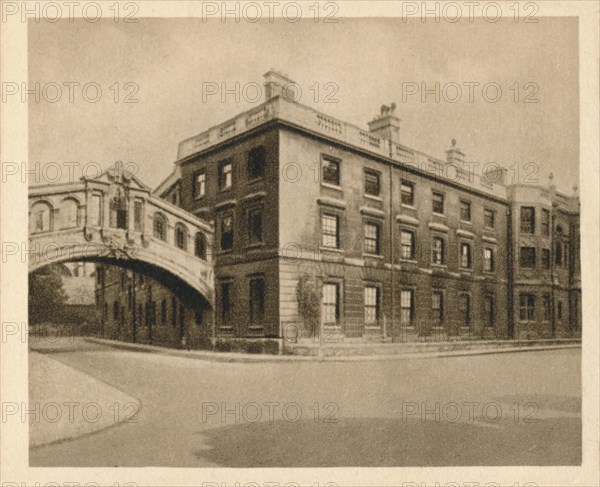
{"points": [[70, 404], [494, 409], [342, 353]]}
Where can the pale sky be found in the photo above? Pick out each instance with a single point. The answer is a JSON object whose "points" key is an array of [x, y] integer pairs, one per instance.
{"points": [[369, 60]]}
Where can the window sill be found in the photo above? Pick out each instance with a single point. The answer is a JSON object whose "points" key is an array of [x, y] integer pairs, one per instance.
{"points": [[225, 252], [409, 207], [331, 249], [372, 256], [331, 186], [256, 327], [373, 197], [466, 222], [408, 261], [255, 180], [372, 327], [256, 245], [439, 266], [466, 269], [439, 215]]}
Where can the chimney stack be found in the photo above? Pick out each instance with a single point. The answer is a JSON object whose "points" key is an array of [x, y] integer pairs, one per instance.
{"points": [[454, 155], [386, 125], [278, 84]]}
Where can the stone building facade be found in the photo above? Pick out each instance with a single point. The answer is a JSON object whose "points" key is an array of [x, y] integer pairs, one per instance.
{"points": [[400, 245]]}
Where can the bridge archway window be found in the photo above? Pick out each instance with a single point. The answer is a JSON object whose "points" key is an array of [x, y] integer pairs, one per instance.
{"points": [[181, 236], [68, 213], [118, 212], [160, 227], [40, 219], [200, 246]]}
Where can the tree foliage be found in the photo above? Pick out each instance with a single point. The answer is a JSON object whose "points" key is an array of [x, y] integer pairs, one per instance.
{"points": [[308, 298], [46, 294]]}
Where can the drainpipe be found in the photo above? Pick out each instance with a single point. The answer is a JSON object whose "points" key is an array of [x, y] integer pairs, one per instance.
{"points": [[392, 287]]}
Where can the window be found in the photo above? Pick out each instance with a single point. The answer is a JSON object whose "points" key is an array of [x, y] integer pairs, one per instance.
{"points": [[256, 163], [173, 310], [225, 174], [465, 255], [528, 257], [489, 218], [331, 171], [118, 212], [437, 251], [226, 303], [465, 211], [407, 242], [372, 238], [489, 310], [40, 218], [558, 250], [438, 203], [159, 225], [559, 310], [331, 308], [437, 307], [68, 213], [116, 310], [464, 306], [226, 230], [138, 212], [528, 219], [547, 306], [372, 183], [200, 246], [257, 301], [546, 258], [371, 305], [199, 184], [545, 223], [527, 306], [407, 193], [329, 229], [163, 312], [488, 260], [407, 306], [255, 225], [181, 240]]}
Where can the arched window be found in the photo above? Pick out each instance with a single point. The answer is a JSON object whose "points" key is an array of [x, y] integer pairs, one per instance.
{"points": [[68, 213], [181, 236], [160, 227], [40, 219], [200, 246]]}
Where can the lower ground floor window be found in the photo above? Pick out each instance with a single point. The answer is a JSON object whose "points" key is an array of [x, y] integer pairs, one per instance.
{"points": [[464, 306], [489, 309], [437, 307], [407, 307], [371, 305], [526, 306], [257, 301], [331, 303]]}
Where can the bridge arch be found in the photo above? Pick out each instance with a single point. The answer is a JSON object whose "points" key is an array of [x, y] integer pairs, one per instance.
{"points": [[116, 219]]}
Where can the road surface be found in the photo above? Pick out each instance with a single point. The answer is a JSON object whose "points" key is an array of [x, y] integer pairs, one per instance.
{"points": [[499, 409]]}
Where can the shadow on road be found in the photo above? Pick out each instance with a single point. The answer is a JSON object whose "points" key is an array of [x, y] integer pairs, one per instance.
{"points": [[372, 442]]}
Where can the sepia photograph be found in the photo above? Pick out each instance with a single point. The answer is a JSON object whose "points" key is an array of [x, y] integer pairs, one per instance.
{"points": [[287, 235]]}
